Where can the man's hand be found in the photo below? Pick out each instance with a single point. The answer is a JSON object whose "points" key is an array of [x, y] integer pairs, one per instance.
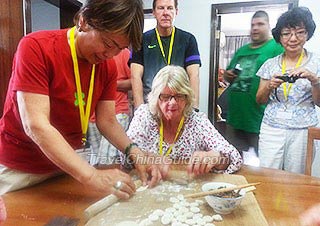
{"points": [[229, 75], [105, 181]]}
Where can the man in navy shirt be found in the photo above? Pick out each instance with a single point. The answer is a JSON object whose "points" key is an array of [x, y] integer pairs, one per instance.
{"points": [[162, 46]]}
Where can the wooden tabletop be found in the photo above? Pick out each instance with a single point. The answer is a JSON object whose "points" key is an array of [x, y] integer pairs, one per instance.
{"points": [[282, 196]]}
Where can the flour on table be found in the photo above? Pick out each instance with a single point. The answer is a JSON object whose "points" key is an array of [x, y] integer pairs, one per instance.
{"points": [[162, 205], [127, 223]]}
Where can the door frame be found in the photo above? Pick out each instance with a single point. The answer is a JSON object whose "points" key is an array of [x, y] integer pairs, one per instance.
{"points": [[216, 11]]}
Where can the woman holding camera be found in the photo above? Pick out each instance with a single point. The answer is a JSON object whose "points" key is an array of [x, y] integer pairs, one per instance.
{"points": [[289, 83]]}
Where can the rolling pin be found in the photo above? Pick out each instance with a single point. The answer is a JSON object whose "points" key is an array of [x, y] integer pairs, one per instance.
{"points": [[176, 176], [104, 203]]}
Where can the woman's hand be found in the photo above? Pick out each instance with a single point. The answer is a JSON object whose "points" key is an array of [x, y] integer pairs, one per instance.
{"points": [[311, 216], [305, 73], [266, 86], [105, 181], [164, 166], [275, 82], [3, 211], [203, 161]]}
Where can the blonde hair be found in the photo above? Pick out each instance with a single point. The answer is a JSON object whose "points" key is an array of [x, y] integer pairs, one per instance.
{"points": [[177, 80]]}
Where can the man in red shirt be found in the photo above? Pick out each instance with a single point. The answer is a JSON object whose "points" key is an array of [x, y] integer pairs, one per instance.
{"points": [[58, 79]]}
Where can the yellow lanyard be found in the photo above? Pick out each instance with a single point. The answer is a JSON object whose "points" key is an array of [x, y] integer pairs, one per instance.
{"points": [[84, 116], [175, 138], [170, 46], [285, 90]]}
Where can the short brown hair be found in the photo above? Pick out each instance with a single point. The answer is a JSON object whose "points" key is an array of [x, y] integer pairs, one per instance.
{"points": [[115, 16], [261, 14], [155, 1]]}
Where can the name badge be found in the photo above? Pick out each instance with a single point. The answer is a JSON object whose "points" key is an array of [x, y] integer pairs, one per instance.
{"points": [[284, 114], [85, 153]]}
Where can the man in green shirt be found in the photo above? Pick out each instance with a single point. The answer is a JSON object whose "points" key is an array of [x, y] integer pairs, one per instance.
{"points": [[244, 114]]}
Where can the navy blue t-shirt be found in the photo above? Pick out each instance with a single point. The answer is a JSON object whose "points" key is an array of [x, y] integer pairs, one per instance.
{"points": [[184, 53]]}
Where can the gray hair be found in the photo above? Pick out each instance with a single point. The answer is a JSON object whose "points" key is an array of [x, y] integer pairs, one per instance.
{"points": [[177, 80]]}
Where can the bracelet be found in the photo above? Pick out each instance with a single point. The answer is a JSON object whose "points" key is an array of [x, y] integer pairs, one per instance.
{"points": [[128, 149]]}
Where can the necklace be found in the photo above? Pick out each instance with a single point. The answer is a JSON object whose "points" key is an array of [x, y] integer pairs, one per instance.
{"points": [[175, 138], [170, 46], [84, 116], [286, 89]]}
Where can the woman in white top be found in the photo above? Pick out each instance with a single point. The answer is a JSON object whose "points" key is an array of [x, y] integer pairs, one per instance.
{"points": [[289, 84], [168, 126]]}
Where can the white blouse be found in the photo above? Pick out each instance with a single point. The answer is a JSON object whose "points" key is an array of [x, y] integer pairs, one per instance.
{"points": [[198, 134]]}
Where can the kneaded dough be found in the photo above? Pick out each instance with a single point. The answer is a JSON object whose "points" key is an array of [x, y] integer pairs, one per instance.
{"points": [[127, 223]]}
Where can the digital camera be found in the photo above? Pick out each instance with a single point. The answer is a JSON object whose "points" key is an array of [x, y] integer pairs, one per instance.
{"points": [[237, 69], [286, 78]]}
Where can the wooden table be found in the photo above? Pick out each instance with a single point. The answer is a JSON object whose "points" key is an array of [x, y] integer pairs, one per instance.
{"points": [[282, 196]]}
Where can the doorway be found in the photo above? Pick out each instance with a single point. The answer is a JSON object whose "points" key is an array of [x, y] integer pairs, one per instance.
{"points": [[220, 13]]}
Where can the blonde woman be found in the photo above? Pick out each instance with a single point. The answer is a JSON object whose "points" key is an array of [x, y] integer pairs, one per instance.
{"points": [[169, 126]]}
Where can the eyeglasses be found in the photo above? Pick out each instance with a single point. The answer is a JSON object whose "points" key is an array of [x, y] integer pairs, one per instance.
{"points": [[301, 34], [168, 97]]}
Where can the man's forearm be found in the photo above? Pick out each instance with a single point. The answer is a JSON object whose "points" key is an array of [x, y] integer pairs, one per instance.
{"points": [[34, 113], [136, 82], [193, 72], [137, 92], [194, 82]]}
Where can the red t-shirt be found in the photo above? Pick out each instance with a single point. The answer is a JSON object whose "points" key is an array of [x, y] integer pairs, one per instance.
{"points": [[43, 65], [122, 102]]}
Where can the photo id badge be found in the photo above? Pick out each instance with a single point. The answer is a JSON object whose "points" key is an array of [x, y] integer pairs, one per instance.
{"points": [[284, 114], [85, 153]]}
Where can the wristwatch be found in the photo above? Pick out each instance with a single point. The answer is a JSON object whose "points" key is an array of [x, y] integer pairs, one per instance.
{"points": [[128, 163], [128, 149]]}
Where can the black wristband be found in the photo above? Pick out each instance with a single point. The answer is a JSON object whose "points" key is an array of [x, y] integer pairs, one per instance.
{"points": [[128, 163], [128, 149]]}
